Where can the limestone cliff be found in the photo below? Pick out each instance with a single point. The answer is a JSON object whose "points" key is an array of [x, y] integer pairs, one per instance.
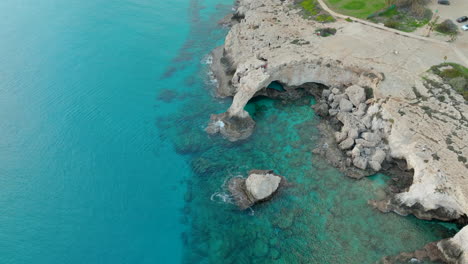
{"points": [[271, 41]]}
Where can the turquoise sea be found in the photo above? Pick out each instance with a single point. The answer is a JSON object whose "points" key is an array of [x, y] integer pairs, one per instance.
{"points": [[103, 157]]}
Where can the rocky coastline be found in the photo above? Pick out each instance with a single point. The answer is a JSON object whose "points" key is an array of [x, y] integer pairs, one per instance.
{"points": [[375, 116]]}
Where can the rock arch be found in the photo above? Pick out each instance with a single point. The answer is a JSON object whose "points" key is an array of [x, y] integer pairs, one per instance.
{"points": [[253, 77]]}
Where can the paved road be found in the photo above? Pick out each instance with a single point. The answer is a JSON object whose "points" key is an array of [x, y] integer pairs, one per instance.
{"points": [[459, 53]]}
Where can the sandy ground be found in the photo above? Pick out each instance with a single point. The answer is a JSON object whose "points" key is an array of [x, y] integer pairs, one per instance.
{"points": [[456, 9]]}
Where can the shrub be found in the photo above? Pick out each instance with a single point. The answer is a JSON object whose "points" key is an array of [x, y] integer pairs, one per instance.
{"points": [[324, 18], [459, 84], [369, 92], [392, 24], [325, 32], [447, 27]]}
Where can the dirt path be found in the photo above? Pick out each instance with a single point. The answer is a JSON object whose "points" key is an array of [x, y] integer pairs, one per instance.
{"points": [[459, 53]]}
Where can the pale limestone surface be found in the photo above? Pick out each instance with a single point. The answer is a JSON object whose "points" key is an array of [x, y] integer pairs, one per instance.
{"points": [[262, 186]]}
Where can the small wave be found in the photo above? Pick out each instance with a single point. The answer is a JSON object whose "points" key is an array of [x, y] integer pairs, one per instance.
{"points": [[252, 212], [212, 78], [221, 197], [208, 60]]}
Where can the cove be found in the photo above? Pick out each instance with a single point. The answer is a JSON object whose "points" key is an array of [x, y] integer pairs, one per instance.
{"points": [[323, 218]]}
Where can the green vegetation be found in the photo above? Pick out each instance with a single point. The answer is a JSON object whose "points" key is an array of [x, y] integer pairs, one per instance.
{"points": [[369, 92], [325, 32], [356, 8], [404, 15], [300, 42], [311, 10], [311, 7], [455, 75], [447, 27], [402, 19]]}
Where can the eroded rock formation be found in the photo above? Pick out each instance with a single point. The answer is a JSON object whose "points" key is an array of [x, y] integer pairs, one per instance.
{"points": [[412, 116], [259, 186]]}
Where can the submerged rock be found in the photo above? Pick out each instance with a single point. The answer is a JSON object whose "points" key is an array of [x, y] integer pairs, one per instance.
{"points": [[232, 127], [259, 186]]}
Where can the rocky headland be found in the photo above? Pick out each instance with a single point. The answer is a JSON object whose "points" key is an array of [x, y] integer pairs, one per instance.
{"points": [[381, 107]]}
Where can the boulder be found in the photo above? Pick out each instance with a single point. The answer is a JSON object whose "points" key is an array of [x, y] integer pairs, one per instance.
{"points": [[259, 186], [340, 136], [346, 144], [262, 185], [326, 93], [353, 133], [333, 112], [321, 109], [346, 105], [356, 94], [366, 143], [379, 156], [360, 162], [361, 110], [375, 165], [340, 97], [356, 152], [350, 121], [371, 137]]}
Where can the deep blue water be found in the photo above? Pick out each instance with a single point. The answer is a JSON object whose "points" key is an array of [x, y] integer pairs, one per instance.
{"points": [[84, 175], [103, 158]]}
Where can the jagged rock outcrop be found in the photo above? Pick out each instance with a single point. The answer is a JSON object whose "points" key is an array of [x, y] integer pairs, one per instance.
{"points": [[452, 250], [455, 249], [421, 121], [259, 186]]}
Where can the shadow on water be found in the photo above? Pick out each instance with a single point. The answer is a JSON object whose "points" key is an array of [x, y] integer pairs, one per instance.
{"points": [[323, 218]]}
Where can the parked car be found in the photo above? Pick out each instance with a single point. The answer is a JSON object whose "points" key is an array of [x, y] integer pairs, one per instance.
{"points": [[443, 2], [465, 27], [462, 19]]}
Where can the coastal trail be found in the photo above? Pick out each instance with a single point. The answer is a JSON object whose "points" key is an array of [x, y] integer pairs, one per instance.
{"points": [[457, 51]]}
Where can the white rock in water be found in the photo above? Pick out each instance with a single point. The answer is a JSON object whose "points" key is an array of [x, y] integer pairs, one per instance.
{"points": [[262, 186]]}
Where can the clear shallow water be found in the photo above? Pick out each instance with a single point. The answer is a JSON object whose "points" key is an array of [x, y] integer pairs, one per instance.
{"points": [[104, 159]]}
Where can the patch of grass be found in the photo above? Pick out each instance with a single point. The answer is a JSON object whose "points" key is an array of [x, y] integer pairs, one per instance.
{"points": [[401, 19], [310, 7], [312, 10], [455, 75], [392, 24], [325, 18], [354, 5], [356, 8]]}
